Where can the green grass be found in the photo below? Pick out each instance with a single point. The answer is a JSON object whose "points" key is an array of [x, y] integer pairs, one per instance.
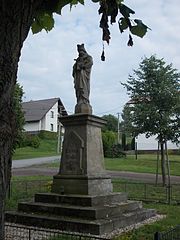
{"points": [[24, 188], [146, 163], [46, 148], [147, 231]]}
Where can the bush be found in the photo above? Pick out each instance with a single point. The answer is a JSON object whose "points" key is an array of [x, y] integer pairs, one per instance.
{"points": [[108, 138], [47, 135], [29, 141], [117, 152], [34, 141]]}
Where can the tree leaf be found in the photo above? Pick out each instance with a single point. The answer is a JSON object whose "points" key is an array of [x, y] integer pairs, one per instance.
{"points": [[125, 11], [81, 1], [43, 21], [36, 28], [61, 4], [48, 22], [119, 1], [123, 24], [130, 42], [140, 29]]}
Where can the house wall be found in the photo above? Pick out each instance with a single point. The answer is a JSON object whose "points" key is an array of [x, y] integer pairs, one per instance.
{"points": [[32, 126], [48, 120], [151, 143]]}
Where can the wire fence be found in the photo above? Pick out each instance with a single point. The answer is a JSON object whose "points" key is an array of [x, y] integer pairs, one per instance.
{"points": [[172, 234], [15, 232], [25, 190], [149, 192]]}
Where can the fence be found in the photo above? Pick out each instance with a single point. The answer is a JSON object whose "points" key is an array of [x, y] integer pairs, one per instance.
{"points": [[149, 192], [24, 190], [172, 234], [15, 232]]}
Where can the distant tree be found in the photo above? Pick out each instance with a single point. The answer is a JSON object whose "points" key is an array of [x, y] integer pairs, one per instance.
{"points": [[154, 108], [112, 123], [108, 139], [20, 120]]}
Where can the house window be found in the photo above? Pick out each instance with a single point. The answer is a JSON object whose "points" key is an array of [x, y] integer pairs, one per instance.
{"points": [[52, 114], [52, 127]]}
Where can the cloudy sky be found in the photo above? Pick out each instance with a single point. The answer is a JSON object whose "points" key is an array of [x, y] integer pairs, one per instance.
{"points": [[45, 68]]}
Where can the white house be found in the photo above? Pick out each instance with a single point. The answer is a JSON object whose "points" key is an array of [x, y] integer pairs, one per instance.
{"points": [[151, 143], [43, 115]]}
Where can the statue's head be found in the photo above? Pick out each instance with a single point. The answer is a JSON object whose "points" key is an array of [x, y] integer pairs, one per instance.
{"points": [[80, 48]]}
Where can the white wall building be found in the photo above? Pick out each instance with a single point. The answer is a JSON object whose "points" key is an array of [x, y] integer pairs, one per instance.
{"points": [[151, 143], [43, 115]]}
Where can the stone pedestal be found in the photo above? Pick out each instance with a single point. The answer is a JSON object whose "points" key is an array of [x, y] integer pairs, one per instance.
{"points": [[81, 199], [82, 163]]}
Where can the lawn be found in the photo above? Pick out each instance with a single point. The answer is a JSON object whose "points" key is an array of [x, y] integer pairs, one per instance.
{"points": [[147, 231], [46, 148], [146, 163]]}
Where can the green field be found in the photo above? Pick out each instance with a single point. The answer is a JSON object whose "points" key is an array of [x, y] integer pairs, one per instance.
{"points": [[46, 148], [146, 163]]}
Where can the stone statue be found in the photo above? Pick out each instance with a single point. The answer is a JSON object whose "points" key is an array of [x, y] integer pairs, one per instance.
{"points": [[81, 74]]}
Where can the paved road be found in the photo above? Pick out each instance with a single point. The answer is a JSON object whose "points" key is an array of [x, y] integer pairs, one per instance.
{"points": [[34, 161], [32, 167], [41, 171]]}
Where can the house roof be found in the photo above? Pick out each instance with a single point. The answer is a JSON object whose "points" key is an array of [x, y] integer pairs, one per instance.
{"points": [[36, 110]]}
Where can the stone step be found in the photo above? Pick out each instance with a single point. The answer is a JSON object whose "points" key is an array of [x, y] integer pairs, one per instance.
{"points": [[97, 212], [96, 227], [81, 200]]}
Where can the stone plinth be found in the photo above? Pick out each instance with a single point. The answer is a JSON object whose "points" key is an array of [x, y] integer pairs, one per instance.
{"points": [[82, 163], [81, 199]]}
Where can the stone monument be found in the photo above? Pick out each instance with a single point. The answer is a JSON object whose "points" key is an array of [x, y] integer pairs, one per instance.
{"points": [[82, 198], [82, 163]]}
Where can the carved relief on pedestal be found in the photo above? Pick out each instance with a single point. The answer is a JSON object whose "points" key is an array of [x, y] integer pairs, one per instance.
{"points": [[72, 156]]}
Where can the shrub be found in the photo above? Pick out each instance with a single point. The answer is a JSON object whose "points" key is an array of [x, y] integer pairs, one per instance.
{"points": [[116, 151], [108, 138], [34, 141], [28, 140], [47, 135]]}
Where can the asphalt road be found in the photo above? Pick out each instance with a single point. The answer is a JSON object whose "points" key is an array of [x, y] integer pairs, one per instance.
{"points": [[40, 170], [33, 161]]}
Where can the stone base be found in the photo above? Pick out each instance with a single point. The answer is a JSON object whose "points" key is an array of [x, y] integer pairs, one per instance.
{"points": [[69, 184], [94, 215], [83, 108]]}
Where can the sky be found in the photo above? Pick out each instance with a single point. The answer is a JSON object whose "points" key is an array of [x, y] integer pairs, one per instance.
{"points": [[45, 67]]}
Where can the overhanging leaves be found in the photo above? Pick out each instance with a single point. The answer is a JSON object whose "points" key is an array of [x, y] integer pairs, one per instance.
{"points": [[139, 29], [125, 11], [109, 9], [123, 24], [43, 21]]}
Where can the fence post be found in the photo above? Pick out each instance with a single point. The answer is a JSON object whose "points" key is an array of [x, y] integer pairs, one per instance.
{"points": [[145, 191], [157, 236], [125, 187], [168, 194], [26, 187], [29, 234]]}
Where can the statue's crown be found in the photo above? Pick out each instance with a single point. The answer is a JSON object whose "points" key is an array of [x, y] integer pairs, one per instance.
{"points": [[80, 47]]}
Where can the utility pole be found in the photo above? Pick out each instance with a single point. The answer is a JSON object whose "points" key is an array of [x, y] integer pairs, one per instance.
{"points": [[118, 132], [59, 134]]}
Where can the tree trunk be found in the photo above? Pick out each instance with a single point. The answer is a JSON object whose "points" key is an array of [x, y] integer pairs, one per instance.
{"points": [[16, 19], [163, 164]]}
